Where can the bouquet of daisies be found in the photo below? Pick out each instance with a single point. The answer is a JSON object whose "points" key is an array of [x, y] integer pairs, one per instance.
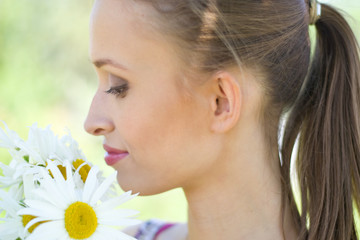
{"points": [[49, 191]]}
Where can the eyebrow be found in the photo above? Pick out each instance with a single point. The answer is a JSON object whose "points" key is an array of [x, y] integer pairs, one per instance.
{"points": [[101, 62]]}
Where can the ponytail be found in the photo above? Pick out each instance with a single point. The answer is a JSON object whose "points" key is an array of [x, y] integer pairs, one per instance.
{"points": [[326, 121]]}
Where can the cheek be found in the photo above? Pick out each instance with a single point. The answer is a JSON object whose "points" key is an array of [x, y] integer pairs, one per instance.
{"points": [[163, 133], [166, 133], [158, 125]]}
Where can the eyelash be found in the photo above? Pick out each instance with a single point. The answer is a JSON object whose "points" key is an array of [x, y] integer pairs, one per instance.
{"points": [[119, 91]]}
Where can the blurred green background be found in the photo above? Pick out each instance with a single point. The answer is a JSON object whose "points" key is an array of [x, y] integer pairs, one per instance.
{"points": [[46, 77]]}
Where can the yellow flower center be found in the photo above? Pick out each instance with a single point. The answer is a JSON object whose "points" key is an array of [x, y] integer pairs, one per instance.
{"points": [[61, 168], [80, 220], [26, 219], [85, 169]]}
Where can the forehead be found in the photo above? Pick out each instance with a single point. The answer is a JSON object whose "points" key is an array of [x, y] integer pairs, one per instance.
{"points": [[124, 30], [105, 11]]}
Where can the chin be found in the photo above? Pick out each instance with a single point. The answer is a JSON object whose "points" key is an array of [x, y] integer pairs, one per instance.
{"points": [[144, 189]]}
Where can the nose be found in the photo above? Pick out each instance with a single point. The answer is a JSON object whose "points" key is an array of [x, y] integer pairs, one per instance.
{"points": [[98, 122]]}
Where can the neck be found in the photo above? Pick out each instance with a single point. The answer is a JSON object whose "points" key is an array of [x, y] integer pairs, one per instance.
{"points": [[241, 199]]}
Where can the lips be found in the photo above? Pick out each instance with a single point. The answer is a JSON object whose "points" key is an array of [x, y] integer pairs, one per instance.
{"points": [[113, 155]]}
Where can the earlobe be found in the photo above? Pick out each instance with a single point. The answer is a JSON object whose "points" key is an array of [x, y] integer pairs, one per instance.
{"points": [[227, 103]]}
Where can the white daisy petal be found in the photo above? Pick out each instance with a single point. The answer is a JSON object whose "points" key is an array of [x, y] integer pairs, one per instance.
{"points": [[9, 138], [118, 222], [51, 194], [116, 213], [104, 186], [11, 223], [43, 209], [34, 221], [62, 187], [112, 234], [70, 182], [114, 202], [48, 231], [8, 203], [9, 230], [56, 173], [90, 184]]}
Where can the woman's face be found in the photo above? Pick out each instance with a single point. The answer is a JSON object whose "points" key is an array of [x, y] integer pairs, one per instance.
{"points": [[160, 134]]}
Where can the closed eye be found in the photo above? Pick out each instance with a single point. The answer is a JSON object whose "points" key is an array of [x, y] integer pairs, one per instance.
{"points": [[119, 91]]}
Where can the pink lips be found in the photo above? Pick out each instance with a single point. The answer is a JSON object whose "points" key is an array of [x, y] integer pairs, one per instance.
{"points": [[113, 155]]}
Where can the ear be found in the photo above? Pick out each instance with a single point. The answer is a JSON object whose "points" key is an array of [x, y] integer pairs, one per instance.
{"points": [[225, 102]]}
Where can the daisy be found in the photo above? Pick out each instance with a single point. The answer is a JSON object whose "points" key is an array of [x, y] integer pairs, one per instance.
{"points": [[8, 138], [13, 176], [43, 144], [12, 225], [13, 173], [66, 212], [72, 146], [11, 141]]}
